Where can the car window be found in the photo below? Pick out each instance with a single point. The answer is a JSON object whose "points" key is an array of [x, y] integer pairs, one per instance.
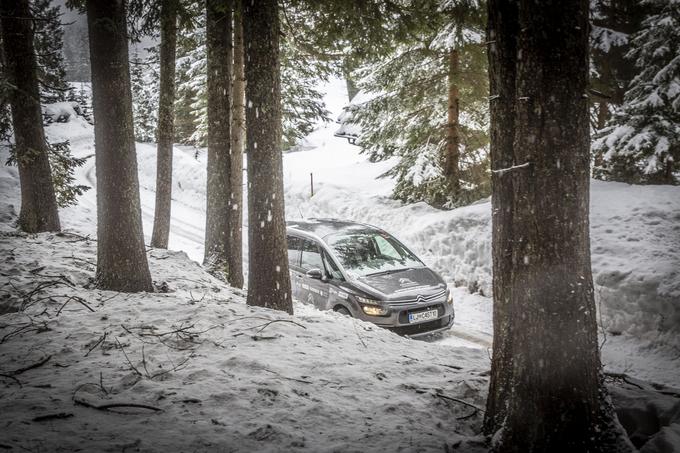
{"points": [[386, 249], [294, 248], [311, 256], [331, 267], [369, 252]]}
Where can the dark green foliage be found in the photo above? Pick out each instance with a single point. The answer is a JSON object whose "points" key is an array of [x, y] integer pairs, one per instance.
{"points": [[405, 117], [48, 47], [641, 143], [302, 102], [300, 73], [63, 165]]}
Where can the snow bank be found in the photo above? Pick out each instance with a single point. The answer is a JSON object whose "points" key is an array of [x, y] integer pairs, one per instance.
{"points": [[635, 246], [194, 368], [60, 112]]}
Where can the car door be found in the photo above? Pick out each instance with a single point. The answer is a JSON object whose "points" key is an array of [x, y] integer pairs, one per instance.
{"points": [[294, 255], [313, 290]]}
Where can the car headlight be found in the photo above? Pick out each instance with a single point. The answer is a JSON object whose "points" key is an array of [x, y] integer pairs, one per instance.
{"points": [[374, 310], [372, 307], [449, 298]]}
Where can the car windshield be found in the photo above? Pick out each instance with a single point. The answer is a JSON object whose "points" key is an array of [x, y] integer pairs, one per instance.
{"points": [[371, 252]]}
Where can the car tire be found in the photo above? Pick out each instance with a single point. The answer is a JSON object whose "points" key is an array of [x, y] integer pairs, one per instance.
{"points": [[343, 311]]}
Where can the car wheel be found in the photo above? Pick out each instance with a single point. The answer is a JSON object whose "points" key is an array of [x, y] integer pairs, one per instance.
{"points": [[343, 311]]}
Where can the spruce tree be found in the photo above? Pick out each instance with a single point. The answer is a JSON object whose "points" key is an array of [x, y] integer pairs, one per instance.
{"points": [[546, 359], [641, 143], [612, 23], [268, 275], [165, 132], [303, 105], [38, 201], [121, 254], [49, 44], [238, 136], [144, 85], [219, 68], [426, 106]]}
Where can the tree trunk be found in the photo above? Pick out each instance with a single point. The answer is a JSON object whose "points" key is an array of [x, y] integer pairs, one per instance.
{"points": [[38, 201], [352, 89], [452, 155], [121, 255], [268, 276], [219, 52], [602, 114], [238, 123], [545, 355], [165, 132]]}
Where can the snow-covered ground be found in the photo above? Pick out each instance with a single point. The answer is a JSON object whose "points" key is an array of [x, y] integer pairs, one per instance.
{"points": [[635, 237], [315, 381]]}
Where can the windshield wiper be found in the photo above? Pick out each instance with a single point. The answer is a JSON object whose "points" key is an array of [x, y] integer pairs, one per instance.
{"points": [[390, 271]]}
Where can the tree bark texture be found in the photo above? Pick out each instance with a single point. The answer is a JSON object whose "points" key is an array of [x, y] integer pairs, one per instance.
{"points": [[165, 132], [268, 276], [219, 52], [453, 126], [39, 210], [545, 392], [121, 255], [238, 134]]}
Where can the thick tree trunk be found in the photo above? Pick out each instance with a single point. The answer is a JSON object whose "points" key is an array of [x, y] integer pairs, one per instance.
{"points": [[503, 29], [545, 355], [38, 202], [452, 155], [219, 52], [238, 134], [166, 119], [121, 255], [268, 276]]}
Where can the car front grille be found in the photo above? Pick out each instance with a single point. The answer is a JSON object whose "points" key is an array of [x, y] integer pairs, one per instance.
{"points": [[419, 300]]}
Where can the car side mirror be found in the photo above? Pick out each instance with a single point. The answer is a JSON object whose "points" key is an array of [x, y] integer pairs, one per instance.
{"points": [[315, 274]]}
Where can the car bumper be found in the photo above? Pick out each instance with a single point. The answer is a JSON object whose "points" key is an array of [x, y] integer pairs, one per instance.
{"points": [[397, 320]]}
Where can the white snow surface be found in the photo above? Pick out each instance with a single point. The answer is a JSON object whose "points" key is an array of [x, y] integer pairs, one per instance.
{"points": [[315, 381], [635, 237], [223, 376]]}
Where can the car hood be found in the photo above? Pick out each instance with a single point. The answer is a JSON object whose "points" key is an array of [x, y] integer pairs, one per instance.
{"points": [[400, 284]]}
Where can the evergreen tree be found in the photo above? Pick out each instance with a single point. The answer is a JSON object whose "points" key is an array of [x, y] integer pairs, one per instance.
{"points": [[302, 102], [641, 143], [427, 107], [166, 114], [238, 129], [49, 45], [145, 85], [300, 72], [219, 39], [190, 78], [546, 360], [38, 201], [268, 276], [121, 256]]}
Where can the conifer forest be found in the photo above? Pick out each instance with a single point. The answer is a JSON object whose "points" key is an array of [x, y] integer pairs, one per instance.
{"points": [[340, 226]]}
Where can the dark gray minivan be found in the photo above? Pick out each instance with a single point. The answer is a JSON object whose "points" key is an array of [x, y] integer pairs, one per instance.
{"points": [[362, 271]]}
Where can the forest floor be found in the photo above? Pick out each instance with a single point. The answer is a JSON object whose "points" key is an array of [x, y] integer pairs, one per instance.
{"points": [[191, 367]]}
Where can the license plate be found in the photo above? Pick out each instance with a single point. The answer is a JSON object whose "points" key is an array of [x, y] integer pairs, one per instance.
{"points": [[422, 316]]}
